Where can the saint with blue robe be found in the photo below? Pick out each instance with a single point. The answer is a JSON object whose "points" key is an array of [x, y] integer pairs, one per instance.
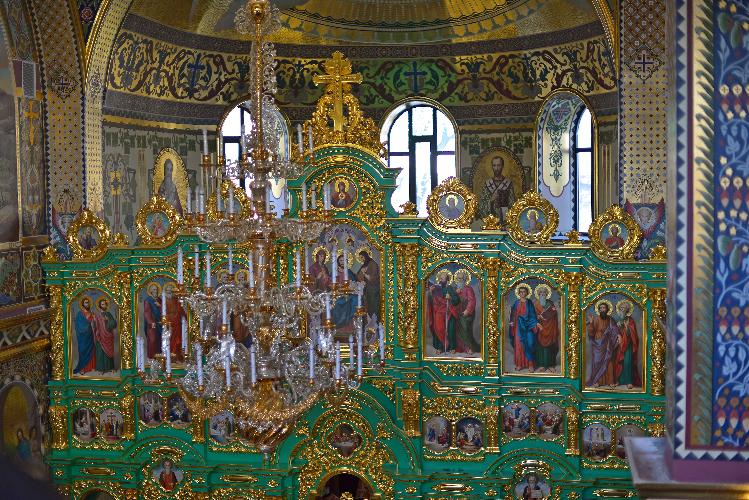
{"points": [[84, 332], [523, 329]]}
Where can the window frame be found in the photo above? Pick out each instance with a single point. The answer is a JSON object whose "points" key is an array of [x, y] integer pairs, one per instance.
{"points": [[394, 114], [575, 151]]}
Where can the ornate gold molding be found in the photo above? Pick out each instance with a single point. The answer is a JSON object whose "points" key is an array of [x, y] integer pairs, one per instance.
{"points": [[58, 417], [87, 218], [574, 282], [154, 206], [57, 352], [407, 255], [615, 216], [573, 432], [451, 186], [544, 224], [492, 266], [410, 412], [658, 341]]}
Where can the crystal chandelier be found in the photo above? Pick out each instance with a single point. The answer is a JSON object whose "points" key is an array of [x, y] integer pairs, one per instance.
{"points": [[293, 357]]}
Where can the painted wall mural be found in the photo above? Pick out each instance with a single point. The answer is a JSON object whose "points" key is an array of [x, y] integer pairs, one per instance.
{"points": [[9, 221], [130, 155], [140, 62]]}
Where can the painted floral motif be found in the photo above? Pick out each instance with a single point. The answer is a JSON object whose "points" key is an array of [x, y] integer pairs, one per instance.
{"points": [[731, 211]]}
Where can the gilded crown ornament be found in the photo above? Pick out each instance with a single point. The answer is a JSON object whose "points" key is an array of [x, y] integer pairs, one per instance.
{"points": [[290, 356]]}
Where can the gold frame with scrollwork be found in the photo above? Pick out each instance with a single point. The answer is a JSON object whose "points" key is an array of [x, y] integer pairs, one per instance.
{"points": [[451, 185], [88, 218], [532, 200], [615, 214], [157, 204]]}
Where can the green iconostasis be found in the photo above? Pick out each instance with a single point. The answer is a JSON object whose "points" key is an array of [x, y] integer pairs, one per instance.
{"points": [[516, 362]]}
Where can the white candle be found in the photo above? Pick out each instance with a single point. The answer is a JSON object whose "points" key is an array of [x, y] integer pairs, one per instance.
{"points": [[227, 370], [359, 290], [163, 302], [268, 193], [311, 142], [351, 351], [253, 368], [220, 143], [231, 260], [251, 268], [180, 266], [189, 200], [141, 358], [326, 197], [166, 341], [202, 329], [314, 197], [224, 312], [359, 362], [327, 307], [230, 208], [199, 361], [311, 360], [306, 258], [300, 139], [345, 263], [298, 268], [196, 261], [208, 269], [196, 203], [304, 197], [241, 138], [382, 343], [205, 141], [184, 334], [334, 264], [202, 201], [338, 361]]}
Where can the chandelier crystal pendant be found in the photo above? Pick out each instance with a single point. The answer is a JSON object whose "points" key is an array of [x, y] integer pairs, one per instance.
{"points": [[290, 356]]}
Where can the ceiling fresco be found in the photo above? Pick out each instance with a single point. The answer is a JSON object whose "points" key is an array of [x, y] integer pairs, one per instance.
{"points": [[380, 21]]}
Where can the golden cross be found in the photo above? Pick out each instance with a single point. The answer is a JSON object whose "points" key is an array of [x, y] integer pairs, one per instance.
{"points": [[31, 115], [337, 78]]}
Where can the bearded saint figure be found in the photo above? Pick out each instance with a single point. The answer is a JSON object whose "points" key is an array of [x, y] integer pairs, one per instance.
{"points": [[603, 336], [548, 330]]}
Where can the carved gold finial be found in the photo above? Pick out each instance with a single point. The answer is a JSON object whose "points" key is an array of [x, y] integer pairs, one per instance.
{"points": [[491, 223], [573, 237], [339, 105], [409, 209], [658, 252], [49, 254], [120, 240]]}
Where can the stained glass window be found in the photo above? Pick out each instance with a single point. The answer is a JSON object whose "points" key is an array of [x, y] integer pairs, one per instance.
{"points": [[583, 149]]}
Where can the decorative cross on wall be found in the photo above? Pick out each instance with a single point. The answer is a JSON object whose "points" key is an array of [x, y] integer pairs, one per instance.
{"points": [[415, 76], [31, 115]]}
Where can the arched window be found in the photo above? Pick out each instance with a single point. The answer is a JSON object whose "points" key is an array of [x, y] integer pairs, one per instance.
{"points": [[583, 151], [565, 134], [421, 141], [239, 122]]}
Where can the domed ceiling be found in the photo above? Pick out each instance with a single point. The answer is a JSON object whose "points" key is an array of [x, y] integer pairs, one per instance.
{"points": [[380, 21]]}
